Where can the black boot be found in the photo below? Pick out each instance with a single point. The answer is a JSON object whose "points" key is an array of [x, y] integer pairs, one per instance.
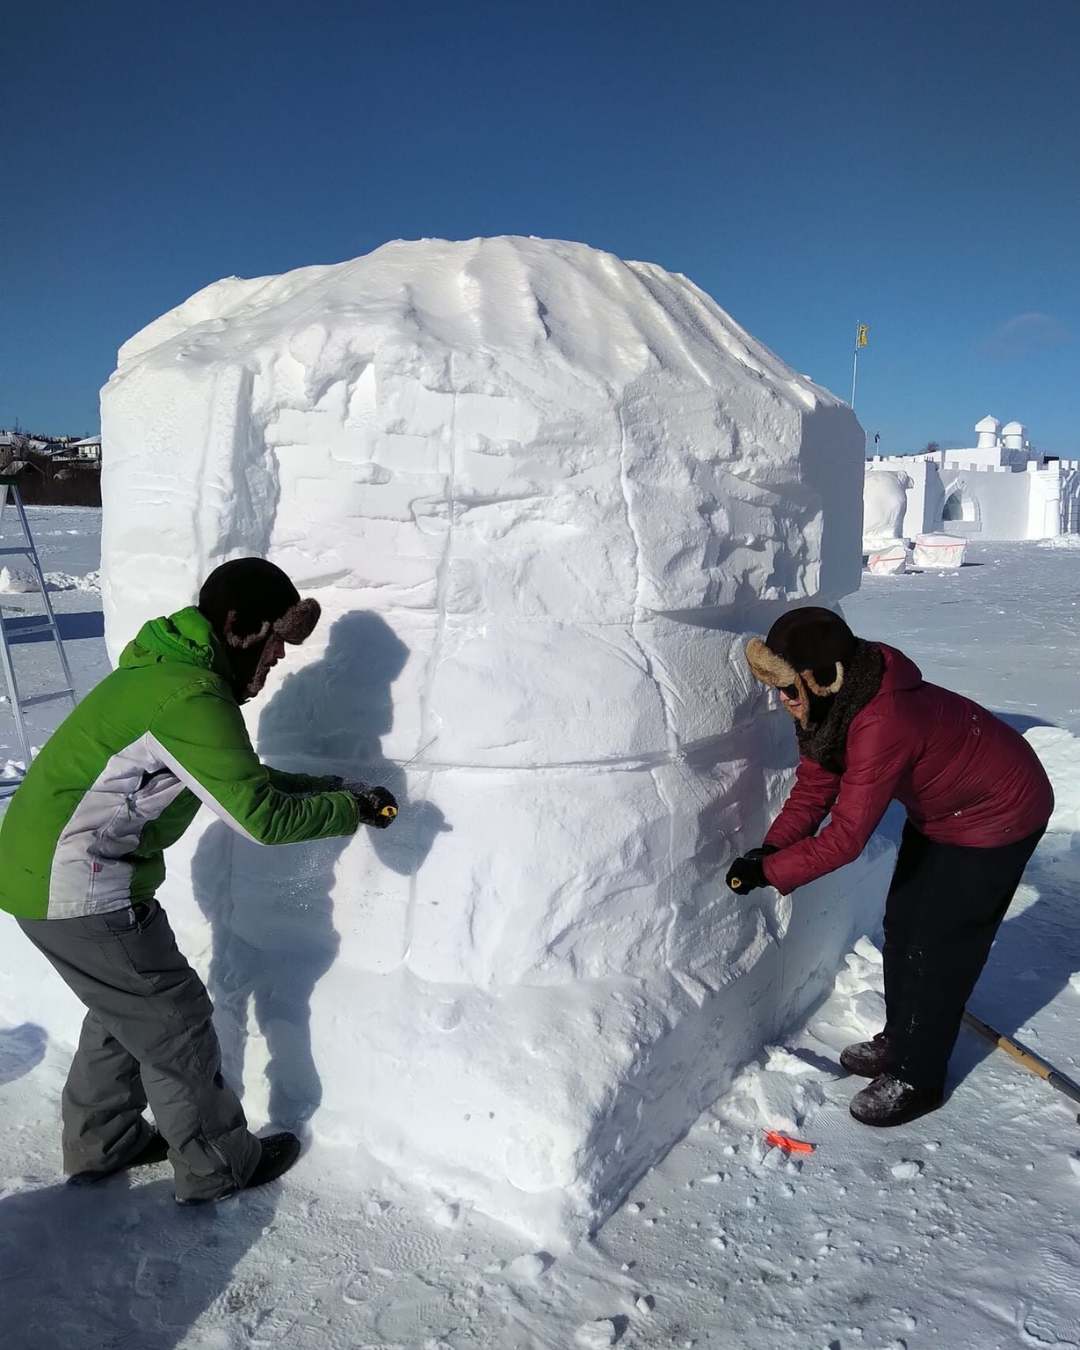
{"points": [[891, 1101], [155, 1150], [279, 1152], [867, 1059]]}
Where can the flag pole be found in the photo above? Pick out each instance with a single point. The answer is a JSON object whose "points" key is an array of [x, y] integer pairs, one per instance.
{"points": [[855, 368]]}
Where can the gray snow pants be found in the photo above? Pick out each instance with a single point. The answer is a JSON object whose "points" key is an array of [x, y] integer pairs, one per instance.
{"points": [[147, 1039]]}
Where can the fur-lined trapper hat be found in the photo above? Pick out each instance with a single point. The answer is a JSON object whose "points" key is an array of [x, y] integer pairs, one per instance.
{"points": [[249, 601], [805, 653]]}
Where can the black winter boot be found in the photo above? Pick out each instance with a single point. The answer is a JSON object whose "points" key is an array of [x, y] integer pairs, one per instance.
{"points": [[867, 1059], [155, 1150], [279, 1152], [891, 1101]]}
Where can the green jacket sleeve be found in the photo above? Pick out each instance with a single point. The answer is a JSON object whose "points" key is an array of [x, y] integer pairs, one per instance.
{"points": [[301, 782], [201, 736]]}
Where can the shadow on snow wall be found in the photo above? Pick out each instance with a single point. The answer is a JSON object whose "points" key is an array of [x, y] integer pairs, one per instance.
{"points": [[271, 910]]}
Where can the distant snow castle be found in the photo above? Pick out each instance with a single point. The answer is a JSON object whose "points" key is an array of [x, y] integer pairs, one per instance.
{"points": [[999, 489]]}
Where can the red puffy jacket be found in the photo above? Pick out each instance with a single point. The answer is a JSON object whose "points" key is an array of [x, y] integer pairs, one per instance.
{"points": [[963, 775]]}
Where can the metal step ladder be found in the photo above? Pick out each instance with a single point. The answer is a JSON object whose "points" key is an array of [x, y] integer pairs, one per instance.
{"points": [[13, 631]]}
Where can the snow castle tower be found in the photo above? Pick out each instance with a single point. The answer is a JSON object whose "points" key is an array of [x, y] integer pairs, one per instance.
{"points": [[988, 433], [1014, 436], [542, 495]]}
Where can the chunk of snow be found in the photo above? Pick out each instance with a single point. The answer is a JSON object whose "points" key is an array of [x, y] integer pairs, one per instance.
{"points": [[529, 1267], [542, 496], [14, 581], [868, 1008], [907, 1170], [596, 1335], [69, 581], [943, 551], [889, 558]]}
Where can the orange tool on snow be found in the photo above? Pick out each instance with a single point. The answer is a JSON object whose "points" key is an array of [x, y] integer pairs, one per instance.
{"points": [[789, 1145]]}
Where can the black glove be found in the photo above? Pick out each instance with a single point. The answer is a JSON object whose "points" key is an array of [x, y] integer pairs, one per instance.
{"points": [[747, 873], [378, 807]]}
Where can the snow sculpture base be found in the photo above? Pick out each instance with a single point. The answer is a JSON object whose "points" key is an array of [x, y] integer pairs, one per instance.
{"points": [[542, 495], [889, 558], [943, 551]]}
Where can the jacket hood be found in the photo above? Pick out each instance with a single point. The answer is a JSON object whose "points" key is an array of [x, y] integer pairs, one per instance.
{"points": [[901, 673], [184, 638]]}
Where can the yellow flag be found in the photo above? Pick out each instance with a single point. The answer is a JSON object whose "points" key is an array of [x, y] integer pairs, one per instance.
{"points": [[862, 336]]}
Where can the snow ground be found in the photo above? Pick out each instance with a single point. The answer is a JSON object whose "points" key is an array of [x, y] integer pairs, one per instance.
{"points": [[958, 1231]]}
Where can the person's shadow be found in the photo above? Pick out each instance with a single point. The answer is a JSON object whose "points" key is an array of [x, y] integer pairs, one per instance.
{"points": [[270, 909], [124, 1266]]}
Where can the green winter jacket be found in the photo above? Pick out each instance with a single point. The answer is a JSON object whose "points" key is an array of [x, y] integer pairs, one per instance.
{"points": [[124, 775]]}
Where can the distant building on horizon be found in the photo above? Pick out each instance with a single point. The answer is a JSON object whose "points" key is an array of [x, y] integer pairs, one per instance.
{"points": [[87, 450], [1000, 488], [65, 471]]}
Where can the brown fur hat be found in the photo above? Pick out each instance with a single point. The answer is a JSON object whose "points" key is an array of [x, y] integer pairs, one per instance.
{"points": [[298, 622], [805, 653]]}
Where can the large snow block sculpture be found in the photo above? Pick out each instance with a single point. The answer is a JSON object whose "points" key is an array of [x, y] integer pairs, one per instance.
{"points": [[542, 495]]}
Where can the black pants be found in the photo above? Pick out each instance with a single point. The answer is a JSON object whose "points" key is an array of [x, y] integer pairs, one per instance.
{"points": [[944, 909]]}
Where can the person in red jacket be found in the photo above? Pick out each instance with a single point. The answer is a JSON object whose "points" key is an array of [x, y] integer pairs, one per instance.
{"points": [[872, 731]]}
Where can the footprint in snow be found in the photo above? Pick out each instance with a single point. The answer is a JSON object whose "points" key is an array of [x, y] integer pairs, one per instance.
{"points": [[414, 1310]]}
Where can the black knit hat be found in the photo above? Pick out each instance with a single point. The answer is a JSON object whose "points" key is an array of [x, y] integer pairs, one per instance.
{"points": [[247, 601]]}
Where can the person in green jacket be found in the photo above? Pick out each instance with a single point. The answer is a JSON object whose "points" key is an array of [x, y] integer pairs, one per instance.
{"points": [[81, 860]]}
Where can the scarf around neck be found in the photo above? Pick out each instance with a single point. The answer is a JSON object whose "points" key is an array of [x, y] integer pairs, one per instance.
{"points": [[825, 740]]}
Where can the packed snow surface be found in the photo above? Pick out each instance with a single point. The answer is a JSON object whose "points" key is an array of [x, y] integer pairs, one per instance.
{"points": [[541, 494]]}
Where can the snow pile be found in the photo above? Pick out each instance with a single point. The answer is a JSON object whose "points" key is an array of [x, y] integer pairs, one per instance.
{"points": [[884, 507], [13, 581], [1069, 542], [944, 551], [542, 495], [69, 581]]}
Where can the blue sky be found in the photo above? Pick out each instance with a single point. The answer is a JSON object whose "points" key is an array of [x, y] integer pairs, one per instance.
{"points": [[809, 164]]}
